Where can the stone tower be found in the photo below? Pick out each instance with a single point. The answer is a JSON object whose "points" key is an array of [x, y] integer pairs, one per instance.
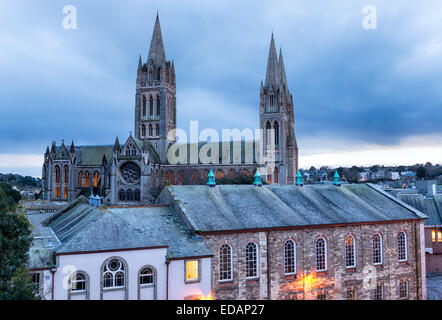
{"points": [[155, 100], [276, 112]]}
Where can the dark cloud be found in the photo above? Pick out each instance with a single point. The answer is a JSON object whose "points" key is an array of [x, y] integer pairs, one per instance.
{"points": [[377, 86]]}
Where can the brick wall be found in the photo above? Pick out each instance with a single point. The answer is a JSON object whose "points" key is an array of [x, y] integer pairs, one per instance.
{"points": [[307, 283]]}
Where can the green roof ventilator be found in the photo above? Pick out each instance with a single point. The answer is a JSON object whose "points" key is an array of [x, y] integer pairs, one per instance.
{"points": [[257, 181], [211, 179], [299, 181], [336, 180]]}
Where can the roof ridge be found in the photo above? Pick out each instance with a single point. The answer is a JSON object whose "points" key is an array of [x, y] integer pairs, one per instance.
{"points": [[398, 201]]}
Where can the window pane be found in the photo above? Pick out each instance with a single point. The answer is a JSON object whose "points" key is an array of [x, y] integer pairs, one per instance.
{"points": [[192, 270], [439, 235], [433, 235]]}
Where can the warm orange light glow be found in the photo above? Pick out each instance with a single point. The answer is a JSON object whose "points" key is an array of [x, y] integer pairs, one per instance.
{"points": [[308, 279], [208, 297]]}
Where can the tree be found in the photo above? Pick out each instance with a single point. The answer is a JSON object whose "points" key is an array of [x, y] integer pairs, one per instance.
{"points": [[421, 172], [15, 241]]}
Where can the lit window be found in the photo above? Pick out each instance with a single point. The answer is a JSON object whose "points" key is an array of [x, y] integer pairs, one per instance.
{"points": [[146, 276], [251, 260], [402, 246], [350, 261], [321, 259], [439, 235], [433, 235], [113, 275], [290, 257], [403, 290], [377, 249], [321, 296], [225, 263], [379, 292], [78, 283], [192, 270]]}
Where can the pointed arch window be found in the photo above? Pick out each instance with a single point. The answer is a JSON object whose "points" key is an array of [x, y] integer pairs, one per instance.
{"points": [[96, 179], [158, 105], [289, 257], [321, 254], [150, 106], [121, 195], [350, 251], [268, 133], [129, 195], [377, 249], [157, 130], [276, 128], [87, 180], [57, 174], [144, 106], [225, 263], [137, 195], [402, 246], [251, 260], [150, 130], [143, 130]]}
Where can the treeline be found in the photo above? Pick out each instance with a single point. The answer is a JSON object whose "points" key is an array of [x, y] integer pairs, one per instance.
{"points": [[20, 181]]}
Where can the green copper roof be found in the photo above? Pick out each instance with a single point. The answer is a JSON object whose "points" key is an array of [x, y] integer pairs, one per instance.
{"points": [[211, 179], [257, 181]]}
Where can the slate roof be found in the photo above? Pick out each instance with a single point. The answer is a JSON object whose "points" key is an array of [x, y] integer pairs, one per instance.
{"points": [[238, 207], [431, 206], [82, 228]]}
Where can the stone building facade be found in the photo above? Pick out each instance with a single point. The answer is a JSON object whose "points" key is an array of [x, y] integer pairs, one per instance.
{"points": [[311, 242], [105, 169]]}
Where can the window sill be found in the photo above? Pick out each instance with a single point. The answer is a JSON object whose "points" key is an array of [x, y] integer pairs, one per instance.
{"points": [[251, 280], [322, 273], [379, 266], [404, 263], [114, 288], [350, 269], [78, 293], [290, 276], [192, 281], [146, 285]]}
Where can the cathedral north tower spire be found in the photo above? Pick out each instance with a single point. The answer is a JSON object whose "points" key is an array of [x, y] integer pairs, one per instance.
{"points": [[155, 100]]}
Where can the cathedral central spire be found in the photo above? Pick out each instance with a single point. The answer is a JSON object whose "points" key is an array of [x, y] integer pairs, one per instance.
{"points": [[156, 52]]}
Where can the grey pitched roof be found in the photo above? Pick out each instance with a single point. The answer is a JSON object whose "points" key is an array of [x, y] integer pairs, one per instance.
{"points": [[431, 206], [237, 207], [82, 228]]}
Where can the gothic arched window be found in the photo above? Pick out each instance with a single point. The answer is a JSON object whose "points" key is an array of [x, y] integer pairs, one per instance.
{"points": [[144, 106], [121, 195], [225, 263], [96, 179], [350, 251], [151, 106], [276, 174], [402, 246], [129, 195], [157, 130], [219, 174], [57, 174], [321, 254], [150, 130], [290, 257], [276, 127], [251, 260], [143, 130], [268, 133], [377, 249], [158, 105], [137, 195], [87, 179]]}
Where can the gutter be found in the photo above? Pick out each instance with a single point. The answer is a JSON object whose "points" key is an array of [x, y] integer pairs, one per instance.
{"points": [[167, 279], [53, 270], [268, 268]]}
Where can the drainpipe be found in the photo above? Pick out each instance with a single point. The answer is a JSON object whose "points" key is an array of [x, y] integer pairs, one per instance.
{"points": [[268, 267], [167, 279], [53, 270]]}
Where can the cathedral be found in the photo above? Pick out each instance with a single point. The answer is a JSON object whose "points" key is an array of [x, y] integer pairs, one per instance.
{"points": [[135, 172]]}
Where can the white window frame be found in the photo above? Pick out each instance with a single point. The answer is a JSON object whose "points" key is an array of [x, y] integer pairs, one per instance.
{"points": [[113, 274], [256, 261], [294, 257], [381, 249], [354, 251], [405, 247], [74, 280], [325, 254], [230, 264]]}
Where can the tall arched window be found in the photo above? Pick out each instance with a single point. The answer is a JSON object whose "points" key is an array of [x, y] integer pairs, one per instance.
{"points": [[276, 127], [80, 179], [151, 106], [147, 276], [121, 195], [57, 174], [96, 179], [251, 260], [268, 133], [225, 263], [65, 193], [402, 246], [377, 249], [114, 274], [143, 130], [129, 195], [66, 174], [144, 106], [219, 174], [57, 192], [150, 130], [350, 253], [290, 257], [78, 282], [276, 174], [137, 195], [87, 179], [321, 254], [157, 130], [158, 105]]}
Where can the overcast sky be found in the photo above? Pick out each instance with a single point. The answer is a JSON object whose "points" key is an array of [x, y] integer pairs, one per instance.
{"points": [[360, 96]]}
